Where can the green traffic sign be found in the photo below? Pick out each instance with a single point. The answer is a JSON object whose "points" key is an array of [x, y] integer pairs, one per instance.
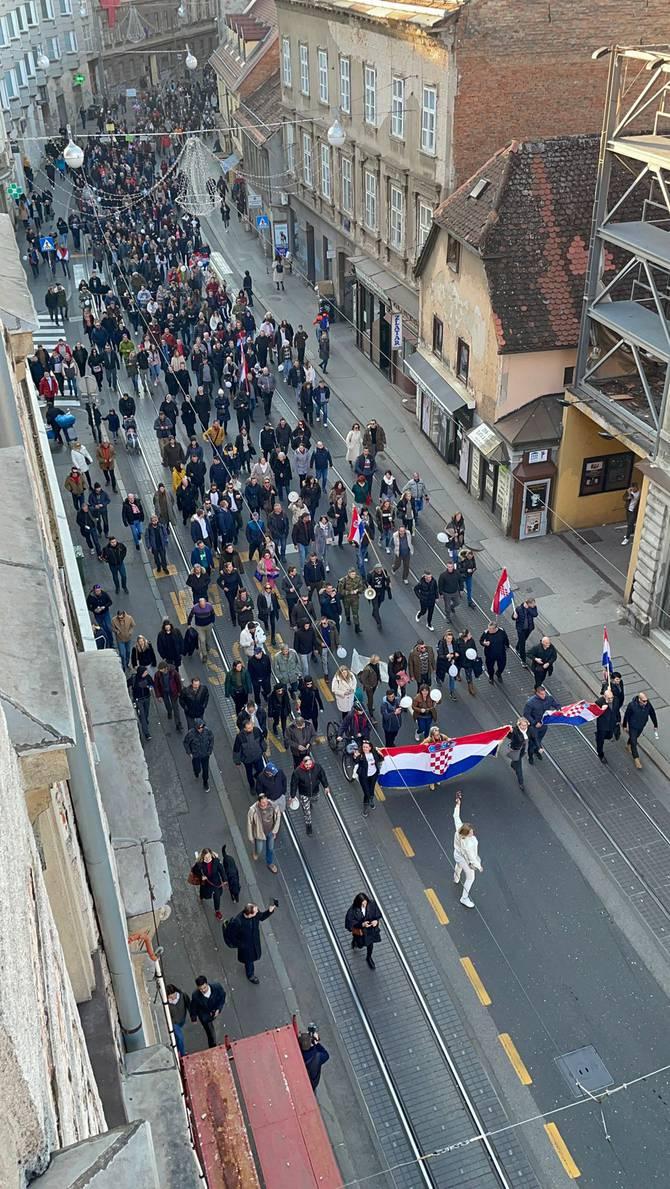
{"points": [[79, 80]]}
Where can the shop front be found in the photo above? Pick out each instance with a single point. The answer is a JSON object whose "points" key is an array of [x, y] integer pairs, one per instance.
{"points": [[386, 317], [442, 413], [488, 473]]}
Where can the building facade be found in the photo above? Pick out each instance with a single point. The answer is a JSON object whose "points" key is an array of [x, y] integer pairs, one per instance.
{"points": [[144, 46], [622, 380]]}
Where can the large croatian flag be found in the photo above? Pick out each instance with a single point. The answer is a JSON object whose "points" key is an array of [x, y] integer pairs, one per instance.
{"points": [[574, 715], [430, 763]]}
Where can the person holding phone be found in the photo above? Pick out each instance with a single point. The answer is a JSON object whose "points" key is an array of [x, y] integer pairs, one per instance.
{"points": [[247, 933]]}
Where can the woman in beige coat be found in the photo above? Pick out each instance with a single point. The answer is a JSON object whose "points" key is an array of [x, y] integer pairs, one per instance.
{"points": [[343, 686], [354, 443]]}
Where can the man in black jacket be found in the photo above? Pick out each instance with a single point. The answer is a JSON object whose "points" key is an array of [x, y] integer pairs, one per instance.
{"points": [[605, 723], [535, 708], [525, 617], [248, 750], [193, 700], [542, 657], [495, 643], [206, 1004], [638, 712], [199, 745], [449, 586], [247, 933], [306, 780], [180, 1005], [426, 592]]}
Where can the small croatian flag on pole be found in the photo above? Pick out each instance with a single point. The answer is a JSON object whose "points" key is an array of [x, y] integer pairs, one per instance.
{"points": [[607, 655], [503, 595], [356, 528]]}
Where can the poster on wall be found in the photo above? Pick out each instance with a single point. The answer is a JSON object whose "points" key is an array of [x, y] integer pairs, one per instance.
{"points": [[280, 238]]}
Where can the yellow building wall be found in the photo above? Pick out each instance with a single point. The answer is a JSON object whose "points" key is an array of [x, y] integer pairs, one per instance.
{"points": [[581, 440]]}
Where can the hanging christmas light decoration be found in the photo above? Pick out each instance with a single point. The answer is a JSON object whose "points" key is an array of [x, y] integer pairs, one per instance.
{"points": [[198, 171]]}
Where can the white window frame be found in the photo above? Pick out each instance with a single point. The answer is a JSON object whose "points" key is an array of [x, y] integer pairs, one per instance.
{"points": [[326, 172], [31, 14], [4, 33], [398, 107], [286, 66], [290, 148], [345, 86], [47, 10], [371, 200], [347, 174], [71, 45], [12, 26], [423, 224], [54, 54], [429, 120], [396, 217], [65, 8], [21, 21], [13, 92], [322, 70], [370, 94], [21, 72], [307, 162], [31, 66], [4, 97], [304, 69]]}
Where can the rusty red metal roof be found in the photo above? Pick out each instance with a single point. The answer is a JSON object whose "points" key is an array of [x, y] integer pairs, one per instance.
{"points": [[289, 1134], [220, 1126]]}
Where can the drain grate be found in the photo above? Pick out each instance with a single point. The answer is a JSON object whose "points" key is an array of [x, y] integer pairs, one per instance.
{"points": [[584, 1066]]}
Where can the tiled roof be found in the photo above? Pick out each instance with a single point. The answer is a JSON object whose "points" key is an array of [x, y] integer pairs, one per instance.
{"points": [[247, 26], [261, 109], [531, 226]]}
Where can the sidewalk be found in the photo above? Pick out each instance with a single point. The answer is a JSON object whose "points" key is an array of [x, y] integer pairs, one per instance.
{"points": [[577, 594]]}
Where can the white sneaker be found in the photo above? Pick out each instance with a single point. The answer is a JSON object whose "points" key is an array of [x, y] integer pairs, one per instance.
{"points": [[406, 581], [466, 902], [388, 550], [417, 617], [625, 541], [431, 628], [328, 569]]}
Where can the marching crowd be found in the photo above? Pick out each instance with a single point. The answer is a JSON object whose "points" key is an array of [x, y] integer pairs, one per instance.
{"points": [[165, 328]]}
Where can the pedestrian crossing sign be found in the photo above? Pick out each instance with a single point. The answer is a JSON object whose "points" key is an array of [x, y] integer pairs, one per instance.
{"points": [[262, 221]]}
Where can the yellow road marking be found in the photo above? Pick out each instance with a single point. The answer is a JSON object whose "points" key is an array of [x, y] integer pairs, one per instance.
{"points": [[515, 1059], [179, 610], [435, 904], [171, 571], [244, 554], [477, 984], [403, 842], [381, 796], [217, 675], [558, 1144], [277, 743], [217, 608], [283, 605], [325, 689], [236, 651]]}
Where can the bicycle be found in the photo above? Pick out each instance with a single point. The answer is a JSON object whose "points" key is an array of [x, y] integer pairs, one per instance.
{"points": [[347, 748]]}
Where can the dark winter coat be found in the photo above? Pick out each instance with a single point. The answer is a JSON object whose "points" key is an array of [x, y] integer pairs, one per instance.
{"points": [[305, 782], [637, 716], [248, 933], [212, 880], [353, 923], [203, 1009]]}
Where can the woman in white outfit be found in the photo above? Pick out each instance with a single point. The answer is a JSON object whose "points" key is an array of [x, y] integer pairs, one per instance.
{"points": [[343, 686], [466, 854], [354, 443]]}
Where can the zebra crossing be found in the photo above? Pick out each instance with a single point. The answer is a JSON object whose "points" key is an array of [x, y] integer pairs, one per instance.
{"points": [[48, 334]]}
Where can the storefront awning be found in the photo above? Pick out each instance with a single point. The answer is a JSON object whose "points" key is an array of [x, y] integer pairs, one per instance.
{"points": [[230, 162], [425, 375], [381, 282], [488, 442], [17, 309]]}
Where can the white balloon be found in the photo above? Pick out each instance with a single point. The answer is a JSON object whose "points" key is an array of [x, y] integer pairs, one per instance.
{"points": [[341, 652], [471, 654], [442, 538], [406, 702], [453, 671], [436, 695], [293, 497]]}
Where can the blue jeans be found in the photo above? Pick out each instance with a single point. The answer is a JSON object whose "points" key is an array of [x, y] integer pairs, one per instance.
{"points": [[387, 538], [179, 1037], [124, 647], [324, 411], [136, 530], [322, 476], [423, 725], [119, 572], [304, 551], [249, 969], [362, 560], [104, 621], [468, 587], [268, 846]]}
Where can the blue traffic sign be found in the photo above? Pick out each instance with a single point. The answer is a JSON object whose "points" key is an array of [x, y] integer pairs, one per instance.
{"points": [[262, 221]]}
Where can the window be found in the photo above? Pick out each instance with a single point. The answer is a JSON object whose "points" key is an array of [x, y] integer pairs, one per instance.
{"points": [[347, 188], [396, 217], [428, 117], [610, 472], [21, 20], [287, 72], [345, 85], [71, 46], [11, 26], [304, 70], [463, 361], [21, 73], [326, 182], [290, 148], [307, 175], [453, 253], [398, 108], [65, 8], [4, 32], [4, 97], [29, 59], [568, 375], [53, 49], [322, 59], [424, 224], [11, 84], [47, 10], [370, 94], [371, 200], [438, 335], [31, 14]]}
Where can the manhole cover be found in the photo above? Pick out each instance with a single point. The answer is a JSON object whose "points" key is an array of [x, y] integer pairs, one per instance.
{"points": [[584, 1068]]}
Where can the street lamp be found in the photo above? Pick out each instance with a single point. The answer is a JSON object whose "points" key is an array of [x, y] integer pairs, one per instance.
{"points": [[191, 61], [42, 61], [336, 134], [73, 155]]}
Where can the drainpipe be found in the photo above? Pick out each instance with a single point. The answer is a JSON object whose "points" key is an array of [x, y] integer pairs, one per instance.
{"points": [[112, 921]]}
